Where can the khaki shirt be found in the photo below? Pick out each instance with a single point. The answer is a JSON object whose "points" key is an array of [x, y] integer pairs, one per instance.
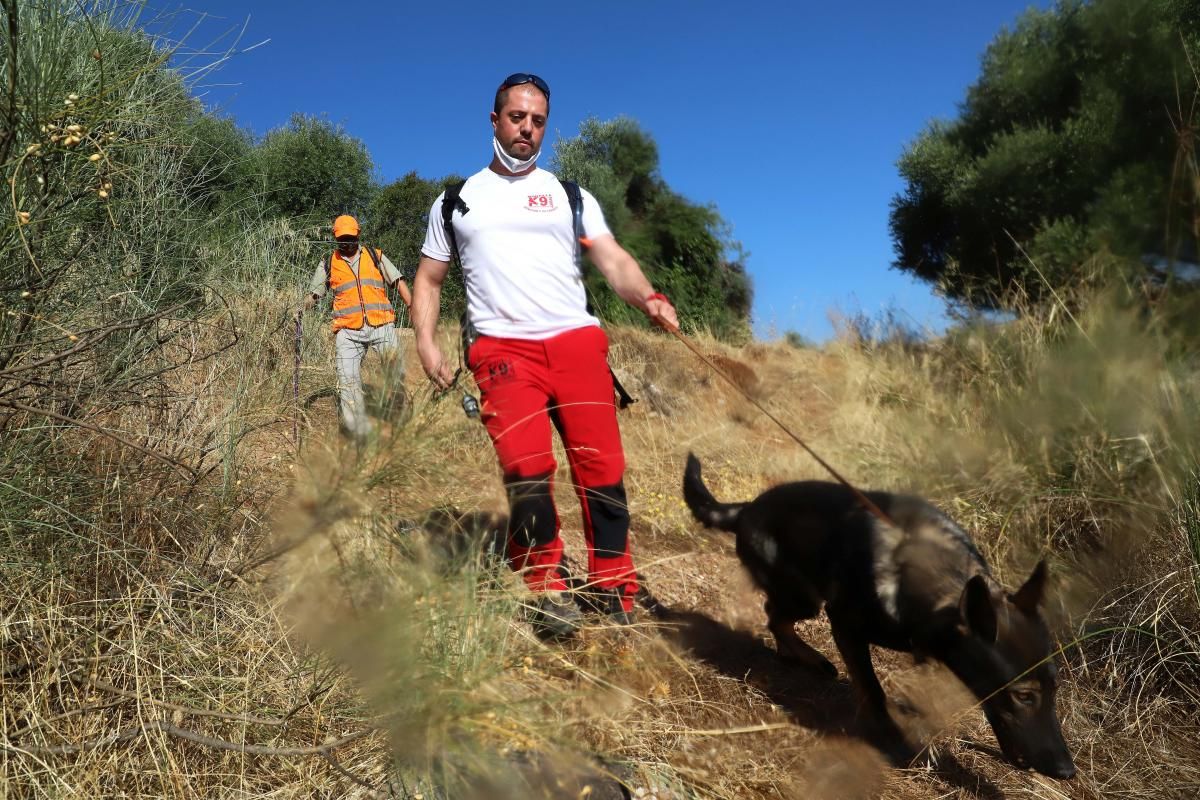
{"points": [[317, 284]]}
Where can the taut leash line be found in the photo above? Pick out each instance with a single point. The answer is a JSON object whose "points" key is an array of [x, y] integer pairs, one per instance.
{"points": [[858, 495]]}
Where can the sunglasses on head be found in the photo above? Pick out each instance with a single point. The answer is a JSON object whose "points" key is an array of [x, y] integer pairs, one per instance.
{"points": [[519, 78]]}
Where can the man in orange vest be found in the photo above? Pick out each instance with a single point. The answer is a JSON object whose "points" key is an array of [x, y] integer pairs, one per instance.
{"points": [[362, 318]]}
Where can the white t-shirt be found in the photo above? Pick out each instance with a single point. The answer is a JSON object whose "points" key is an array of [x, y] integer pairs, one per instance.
{"points": [[518, 254]]}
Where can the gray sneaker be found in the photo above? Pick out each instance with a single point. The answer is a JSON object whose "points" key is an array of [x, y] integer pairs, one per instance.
{"points": [[555, 615]]}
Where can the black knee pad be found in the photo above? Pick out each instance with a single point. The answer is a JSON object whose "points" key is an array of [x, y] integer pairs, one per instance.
{"points": [[608, 509], [532, 518]]}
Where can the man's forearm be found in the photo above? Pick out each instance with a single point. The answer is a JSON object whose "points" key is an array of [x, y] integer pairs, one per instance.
{"points": [[630, 283], [405, 295], [621, 270], [426, 302], [318, 283]]}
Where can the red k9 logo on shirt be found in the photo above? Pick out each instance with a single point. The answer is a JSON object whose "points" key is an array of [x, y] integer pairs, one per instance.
{"points": [[540, 202]]}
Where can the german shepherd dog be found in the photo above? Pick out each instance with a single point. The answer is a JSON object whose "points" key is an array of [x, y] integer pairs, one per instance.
{"points": [[921, 586]]}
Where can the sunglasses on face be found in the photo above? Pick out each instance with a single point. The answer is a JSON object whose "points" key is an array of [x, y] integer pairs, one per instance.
{"points": [[519, 78]]}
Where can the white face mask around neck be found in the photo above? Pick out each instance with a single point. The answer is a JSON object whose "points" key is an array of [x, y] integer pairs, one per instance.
{"points": [[510, 163]]}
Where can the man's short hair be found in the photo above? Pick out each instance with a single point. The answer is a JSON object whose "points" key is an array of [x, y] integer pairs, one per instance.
{"points": [[502, 96]]}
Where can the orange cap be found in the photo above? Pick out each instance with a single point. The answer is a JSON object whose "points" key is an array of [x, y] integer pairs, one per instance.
{"points": [[345, 225]]}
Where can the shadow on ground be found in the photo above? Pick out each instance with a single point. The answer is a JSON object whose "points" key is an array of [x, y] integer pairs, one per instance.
{"points": [[814, 701]]}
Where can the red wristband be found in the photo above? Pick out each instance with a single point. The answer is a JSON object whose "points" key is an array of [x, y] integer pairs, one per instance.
{"points": [[658, 296]]}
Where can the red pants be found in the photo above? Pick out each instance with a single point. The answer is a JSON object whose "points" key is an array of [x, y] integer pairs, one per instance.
{"points": [[525, 386]]}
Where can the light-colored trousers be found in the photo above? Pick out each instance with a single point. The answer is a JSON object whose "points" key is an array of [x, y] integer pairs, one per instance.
{"points": [[352, 347]]}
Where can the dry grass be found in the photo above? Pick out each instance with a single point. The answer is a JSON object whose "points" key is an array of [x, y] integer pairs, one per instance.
{"points": [[317, 610], [193, 606]]}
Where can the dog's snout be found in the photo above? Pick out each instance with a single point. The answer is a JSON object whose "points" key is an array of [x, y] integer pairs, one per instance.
{"points": [[1063, 769], [1057, 765], [1050, 758]]}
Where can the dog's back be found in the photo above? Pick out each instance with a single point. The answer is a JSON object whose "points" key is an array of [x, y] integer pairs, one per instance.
{"points": [[809, 542]]}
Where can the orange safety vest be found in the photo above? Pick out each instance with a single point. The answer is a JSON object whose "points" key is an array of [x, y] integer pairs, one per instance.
{"points": [[360, 296]]}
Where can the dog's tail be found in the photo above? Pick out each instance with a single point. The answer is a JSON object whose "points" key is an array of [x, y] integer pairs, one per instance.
{"points": [[705, 508]]}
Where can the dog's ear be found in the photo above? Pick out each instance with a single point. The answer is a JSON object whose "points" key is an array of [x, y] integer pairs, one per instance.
{"points": [[977, 609], [1030, 595]]}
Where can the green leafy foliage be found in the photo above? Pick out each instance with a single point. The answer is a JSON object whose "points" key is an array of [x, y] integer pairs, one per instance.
{"points": [[1063, 148], [312, 167], [683, 247], [398, 220], [218, 159]]}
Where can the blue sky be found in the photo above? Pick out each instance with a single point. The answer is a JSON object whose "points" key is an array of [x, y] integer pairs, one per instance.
{"points": [[789, 117]]}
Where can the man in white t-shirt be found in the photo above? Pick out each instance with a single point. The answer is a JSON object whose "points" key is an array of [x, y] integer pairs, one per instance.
{"points": [[539, 356]]}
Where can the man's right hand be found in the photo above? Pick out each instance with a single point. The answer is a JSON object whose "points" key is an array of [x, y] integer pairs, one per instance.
{"points": [[435, 365]]}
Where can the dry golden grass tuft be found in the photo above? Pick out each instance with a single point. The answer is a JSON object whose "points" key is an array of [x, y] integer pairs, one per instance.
{"points": [[317, 609]]}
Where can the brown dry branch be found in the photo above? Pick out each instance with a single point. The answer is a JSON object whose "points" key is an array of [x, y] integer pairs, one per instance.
{"points": [[93, 336], [249, 719], [44, 412]]}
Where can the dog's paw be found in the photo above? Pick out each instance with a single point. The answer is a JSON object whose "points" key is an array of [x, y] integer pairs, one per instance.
{"points": [[881, 730], [808, 658], [817, 663]]}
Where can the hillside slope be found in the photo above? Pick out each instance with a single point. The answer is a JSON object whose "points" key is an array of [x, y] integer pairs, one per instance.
{"points": [[702, 700], [340, 641]]}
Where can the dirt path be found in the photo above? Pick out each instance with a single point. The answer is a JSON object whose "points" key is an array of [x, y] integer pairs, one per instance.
{"points": [[700, 694], [729, 680]]}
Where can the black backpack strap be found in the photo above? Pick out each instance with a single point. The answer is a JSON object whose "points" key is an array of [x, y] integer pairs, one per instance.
{"points": [[575, 198], [624, 399], [376, 256], [452, 200]]}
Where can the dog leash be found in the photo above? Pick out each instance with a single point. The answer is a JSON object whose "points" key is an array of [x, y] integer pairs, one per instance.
{"points": [[858, 495]]}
